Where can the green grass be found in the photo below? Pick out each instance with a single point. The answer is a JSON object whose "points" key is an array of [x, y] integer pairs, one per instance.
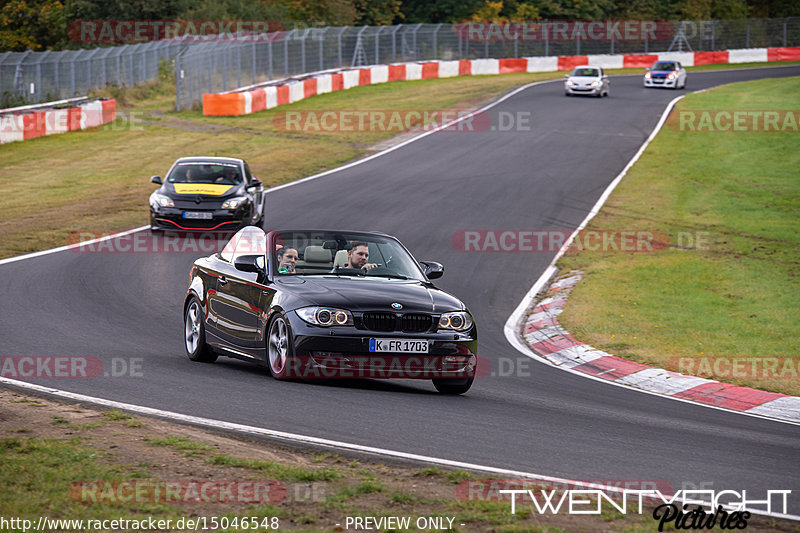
{"points": [[279, 471], [115, 415], [735, 296], [187, 447], [37, 475]]}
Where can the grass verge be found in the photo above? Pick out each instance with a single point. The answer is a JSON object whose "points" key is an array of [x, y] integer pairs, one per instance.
{"points": [[722, 300], [111, 471]]}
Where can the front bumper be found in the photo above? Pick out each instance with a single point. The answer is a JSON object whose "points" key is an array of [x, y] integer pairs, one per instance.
{"points": [[590, 91], [661, 82], [222, 220], [343, 352]]}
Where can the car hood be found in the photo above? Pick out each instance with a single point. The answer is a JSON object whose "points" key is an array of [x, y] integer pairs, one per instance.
{"points": [[180, 191], [370, 294], [661, 73]]}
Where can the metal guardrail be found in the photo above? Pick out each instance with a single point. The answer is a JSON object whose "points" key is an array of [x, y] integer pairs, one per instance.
{"points": [[223, 66]]}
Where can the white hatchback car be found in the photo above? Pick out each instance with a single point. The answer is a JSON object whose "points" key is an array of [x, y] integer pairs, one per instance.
{"points": [[587, 79], [666, 74]]}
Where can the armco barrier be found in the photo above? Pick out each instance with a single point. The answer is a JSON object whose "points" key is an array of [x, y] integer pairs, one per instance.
{"points": [[253, 100], [29, 124]]}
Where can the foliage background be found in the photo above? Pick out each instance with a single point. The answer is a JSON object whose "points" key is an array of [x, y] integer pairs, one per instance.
{"points": [[42, 24]]}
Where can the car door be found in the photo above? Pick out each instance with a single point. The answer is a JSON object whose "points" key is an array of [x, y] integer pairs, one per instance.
{"points": [[239, 296]]}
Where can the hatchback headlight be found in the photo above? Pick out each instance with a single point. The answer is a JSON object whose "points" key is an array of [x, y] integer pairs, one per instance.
{"points": [[159, 200], [457, 321], [234, 203], [325, 316], [595, 84], [648, 76], [570, 83]]}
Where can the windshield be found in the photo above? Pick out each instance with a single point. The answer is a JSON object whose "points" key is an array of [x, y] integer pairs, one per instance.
{"points": [[200, 172], [663, 65], [583, 71], [342, 254]]}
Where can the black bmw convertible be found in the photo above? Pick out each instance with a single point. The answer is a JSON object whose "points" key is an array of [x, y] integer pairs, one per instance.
{"points": [[329, 304], [206, 194]]}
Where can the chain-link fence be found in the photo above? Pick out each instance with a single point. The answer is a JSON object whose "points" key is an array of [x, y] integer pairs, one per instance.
{"points": [[36, 77], [224, 66], [212, 64]]}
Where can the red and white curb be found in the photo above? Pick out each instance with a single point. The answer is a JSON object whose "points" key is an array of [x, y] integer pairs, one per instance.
{"points": [[252, 99], [22, 124], [550, 341]]}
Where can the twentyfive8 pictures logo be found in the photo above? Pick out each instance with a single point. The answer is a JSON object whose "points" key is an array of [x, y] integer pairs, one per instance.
{"points": [[672, 509]]}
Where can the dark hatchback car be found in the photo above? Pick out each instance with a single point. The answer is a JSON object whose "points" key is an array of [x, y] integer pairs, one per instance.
{"points": [[206, 194], [329, 304]]}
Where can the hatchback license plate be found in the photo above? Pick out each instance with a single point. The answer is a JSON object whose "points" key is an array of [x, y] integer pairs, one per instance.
{"points": [[398, 346], [202, 215]]}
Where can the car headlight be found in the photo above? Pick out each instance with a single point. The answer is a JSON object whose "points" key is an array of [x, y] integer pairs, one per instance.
{"points": [[159, 200], [325, 316], [457, 321], [595, 84], [234, 203], [647, 76]]}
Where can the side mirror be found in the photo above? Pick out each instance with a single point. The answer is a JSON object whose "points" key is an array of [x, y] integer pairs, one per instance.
{"points": [[566, 75], [156, 180], [648, 69], [432, 269], [255, 182], [248, 263]]}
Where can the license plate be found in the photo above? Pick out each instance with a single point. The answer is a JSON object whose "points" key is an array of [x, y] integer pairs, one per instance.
{"points": [[202, 215], [398, 346]]}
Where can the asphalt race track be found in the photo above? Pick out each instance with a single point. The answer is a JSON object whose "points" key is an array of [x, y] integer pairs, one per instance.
{"points": [[540, 419]]}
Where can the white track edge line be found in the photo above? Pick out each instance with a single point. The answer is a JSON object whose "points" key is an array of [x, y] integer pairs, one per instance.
{"points": [[70, 246], [264, 432], [514, 321]]}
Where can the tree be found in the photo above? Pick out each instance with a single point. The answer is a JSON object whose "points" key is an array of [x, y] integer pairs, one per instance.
{"points": [[434, 11], [32, 25], [378, 12]]}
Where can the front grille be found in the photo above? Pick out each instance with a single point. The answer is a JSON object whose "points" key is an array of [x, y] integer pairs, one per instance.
{"points": [[408, 323], [380, 321], [415, 323]]}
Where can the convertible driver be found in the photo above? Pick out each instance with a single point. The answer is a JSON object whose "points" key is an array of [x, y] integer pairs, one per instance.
{"points": [[357, 256]]}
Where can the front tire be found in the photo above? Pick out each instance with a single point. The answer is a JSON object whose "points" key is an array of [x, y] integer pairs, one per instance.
{"points": [[280, 350], [195, 334], [453, 386]]}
